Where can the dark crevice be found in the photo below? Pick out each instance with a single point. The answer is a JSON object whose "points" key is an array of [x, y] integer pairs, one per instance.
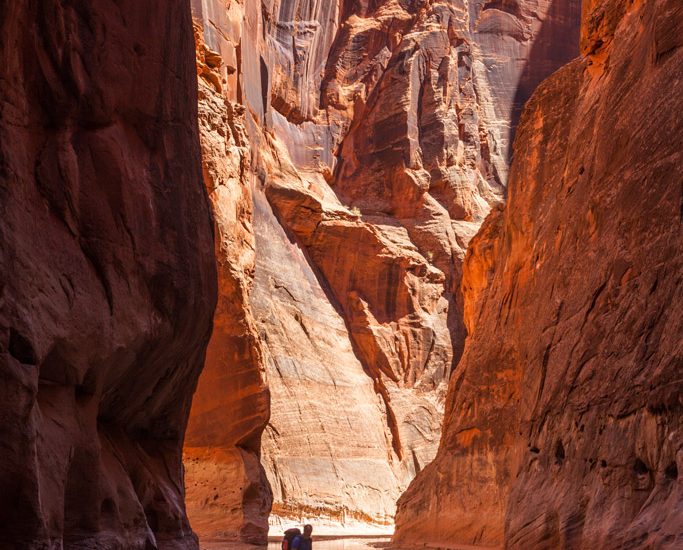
{"points": [[20, 348], [559, 452], [108, 507], [85, 390], [264, 85], [640, 468], [671, 471]]}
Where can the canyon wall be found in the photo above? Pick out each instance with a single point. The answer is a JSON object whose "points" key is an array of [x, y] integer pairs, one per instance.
{"points": [[564, 420], [373, 141], [107, 285], [227, 492]]}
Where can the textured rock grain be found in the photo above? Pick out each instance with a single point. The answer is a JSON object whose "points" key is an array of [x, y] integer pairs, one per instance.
{"points": [[227, 492], [378, 135], [107, 275], [564, 422]]}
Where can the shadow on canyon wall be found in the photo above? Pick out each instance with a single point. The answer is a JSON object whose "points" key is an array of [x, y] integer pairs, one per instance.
{"points": [[549, 52]]}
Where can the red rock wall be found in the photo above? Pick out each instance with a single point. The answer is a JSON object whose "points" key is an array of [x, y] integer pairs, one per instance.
{"points": [[378, 136], [227, 491], [108, 272], [408, 105], [564, 420]]}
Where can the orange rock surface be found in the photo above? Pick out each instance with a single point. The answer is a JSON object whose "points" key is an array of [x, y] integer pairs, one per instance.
{"points": [[350, 152], [564, 422], [378, 138], [227, 492], [107, 272]]}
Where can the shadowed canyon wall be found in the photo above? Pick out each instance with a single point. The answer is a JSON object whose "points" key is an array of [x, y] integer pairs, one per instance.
{"points": [[351, 150], [107, 284], [564, 420]]}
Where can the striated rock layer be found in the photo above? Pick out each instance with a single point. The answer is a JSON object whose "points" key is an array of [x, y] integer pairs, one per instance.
{"points": [[227, 492], [107, 283], [564, 422], [378, 136]]}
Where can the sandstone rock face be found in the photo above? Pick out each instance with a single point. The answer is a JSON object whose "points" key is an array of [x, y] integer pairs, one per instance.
{"points": [[327, 448], [108, 272], [378, 135], [227, 492], [564, 422]]}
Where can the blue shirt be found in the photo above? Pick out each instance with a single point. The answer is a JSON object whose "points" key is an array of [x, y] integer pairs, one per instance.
{"points": [[302, 543]]}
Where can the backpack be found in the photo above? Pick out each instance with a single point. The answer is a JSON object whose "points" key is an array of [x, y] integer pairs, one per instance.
{"points": [[290, 535]]}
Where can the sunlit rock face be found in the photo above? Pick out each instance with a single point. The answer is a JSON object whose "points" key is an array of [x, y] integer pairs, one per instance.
{"points": [[564, 420], [227, 492], [107, 284], [378, 138]]}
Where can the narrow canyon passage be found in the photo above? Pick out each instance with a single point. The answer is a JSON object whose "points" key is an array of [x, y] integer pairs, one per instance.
{"points": [[408, 270], [350, 153]]}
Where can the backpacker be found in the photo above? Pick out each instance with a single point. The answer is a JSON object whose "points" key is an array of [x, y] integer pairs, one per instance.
{"points": [[290, 535]]}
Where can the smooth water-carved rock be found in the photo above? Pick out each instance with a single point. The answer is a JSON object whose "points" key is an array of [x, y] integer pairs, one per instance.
{"points": [[379, 137], [108, 279], [564, 421]]}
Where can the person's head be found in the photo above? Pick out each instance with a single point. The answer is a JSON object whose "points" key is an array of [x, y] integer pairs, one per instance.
{"points": [[308, 529]]}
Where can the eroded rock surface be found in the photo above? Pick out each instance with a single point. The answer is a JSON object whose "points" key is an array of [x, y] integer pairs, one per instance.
{"points": [[564, 422], [378, 136], [227, 492], [107, 272]]}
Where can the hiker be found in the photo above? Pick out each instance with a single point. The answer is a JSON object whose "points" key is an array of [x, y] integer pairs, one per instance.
{"points": [[290, 535], [303, 542]]}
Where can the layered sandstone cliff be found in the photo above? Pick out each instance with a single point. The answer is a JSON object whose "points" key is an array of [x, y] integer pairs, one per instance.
{"points": [[107, 272], [564, 423], [378, 138], [227, 492]]}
